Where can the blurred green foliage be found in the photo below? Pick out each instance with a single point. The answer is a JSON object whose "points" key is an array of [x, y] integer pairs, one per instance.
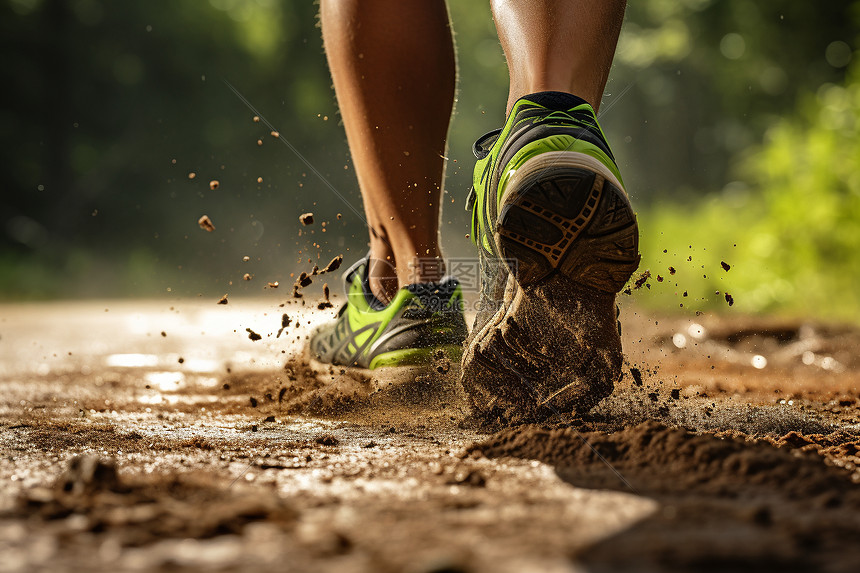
{"points": [[109, 106], [791, 232]]}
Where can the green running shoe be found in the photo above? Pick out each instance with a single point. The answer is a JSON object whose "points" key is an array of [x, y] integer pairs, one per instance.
{"points": [[422, 324], [557, 239]]}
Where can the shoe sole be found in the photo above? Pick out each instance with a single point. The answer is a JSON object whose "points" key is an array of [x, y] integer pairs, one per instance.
{"points": [[444, 364], [569, 238], [566, 212]]}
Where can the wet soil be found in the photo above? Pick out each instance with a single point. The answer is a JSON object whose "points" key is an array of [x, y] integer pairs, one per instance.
{"points": [[151, 435]]}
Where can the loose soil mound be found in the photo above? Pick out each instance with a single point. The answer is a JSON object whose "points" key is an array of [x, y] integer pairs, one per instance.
{"points": [[726, 501]]}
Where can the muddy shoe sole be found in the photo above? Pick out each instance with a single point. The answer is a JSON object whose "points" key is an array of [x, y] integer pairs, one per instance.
{"points": [[569, 237]]}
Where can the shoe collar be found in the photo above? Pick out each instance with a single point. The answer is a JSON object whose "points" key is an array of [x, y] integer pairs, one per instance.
{"points": [[485, 143], [444, 287], [557, 101], [359, 271]]}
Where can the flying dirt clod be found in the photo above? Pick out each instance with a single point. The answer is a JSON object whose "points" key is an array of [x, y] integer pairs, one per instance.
{"points": [[325, 303], [333, 265], [206, 223], [285, 322]]}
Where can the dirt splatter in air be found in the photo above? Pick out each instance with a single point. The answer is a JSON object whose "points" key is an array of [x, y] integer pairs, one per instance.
{"points": [[306, 218], [642, 280], [325, 303], [206, 223], [333, 265], [285, 322], [304, 280]]}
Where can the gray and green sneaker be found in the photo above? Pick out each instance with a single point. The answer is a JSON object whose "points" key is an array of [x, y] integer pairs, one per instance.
{"points": [[424, 323], [557, 239]]}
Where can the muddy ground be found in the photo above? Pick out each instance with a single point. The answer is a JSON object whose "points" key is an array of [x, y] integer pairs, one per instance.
{"points": [[160, 436]]}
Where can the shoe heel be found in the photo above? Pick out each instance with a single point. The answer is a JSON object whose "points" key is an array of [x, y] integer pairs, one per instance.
{"points": [[564, 212]]}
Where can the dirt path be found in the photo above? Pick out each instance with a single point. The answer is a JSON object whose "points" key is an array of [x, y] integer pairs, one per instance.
{"points": [[727, 445]]}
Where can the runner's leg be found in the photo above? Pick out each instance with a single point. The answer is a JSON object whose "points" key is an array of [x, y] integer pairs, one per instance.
{"points": [[559, 45], [393, 68]]}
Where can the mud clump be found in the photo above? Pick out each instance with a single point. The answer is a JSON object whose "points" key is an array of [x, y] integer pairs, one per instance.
{"points": [[325, 302], [140, 510], [206, 223], [304, 280], [253, 335], [637, 376], [301, 282], [642, 280], [468, 477], [327, 440], [88, 474], [333, 265], [306, 219], [285, 323]]}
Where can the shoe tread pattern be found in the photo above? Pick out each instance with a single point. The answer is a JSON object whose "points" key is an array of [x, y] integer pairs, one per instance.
{"points": [[570, 220]]}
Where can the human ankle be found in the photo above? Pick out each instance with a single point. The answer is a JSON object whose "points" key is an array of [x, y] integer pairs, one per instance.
{"points": [[421, 269], [382, 279]]}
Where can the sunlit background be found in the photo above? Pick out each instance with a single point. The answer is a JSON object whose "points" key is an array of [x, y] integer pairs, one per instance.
{"points": [[735, 124]]}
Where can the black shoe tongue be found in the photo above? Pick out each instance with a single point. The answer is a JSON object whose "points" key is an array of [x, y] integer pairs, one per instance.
{"points": [[560, 101]]}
